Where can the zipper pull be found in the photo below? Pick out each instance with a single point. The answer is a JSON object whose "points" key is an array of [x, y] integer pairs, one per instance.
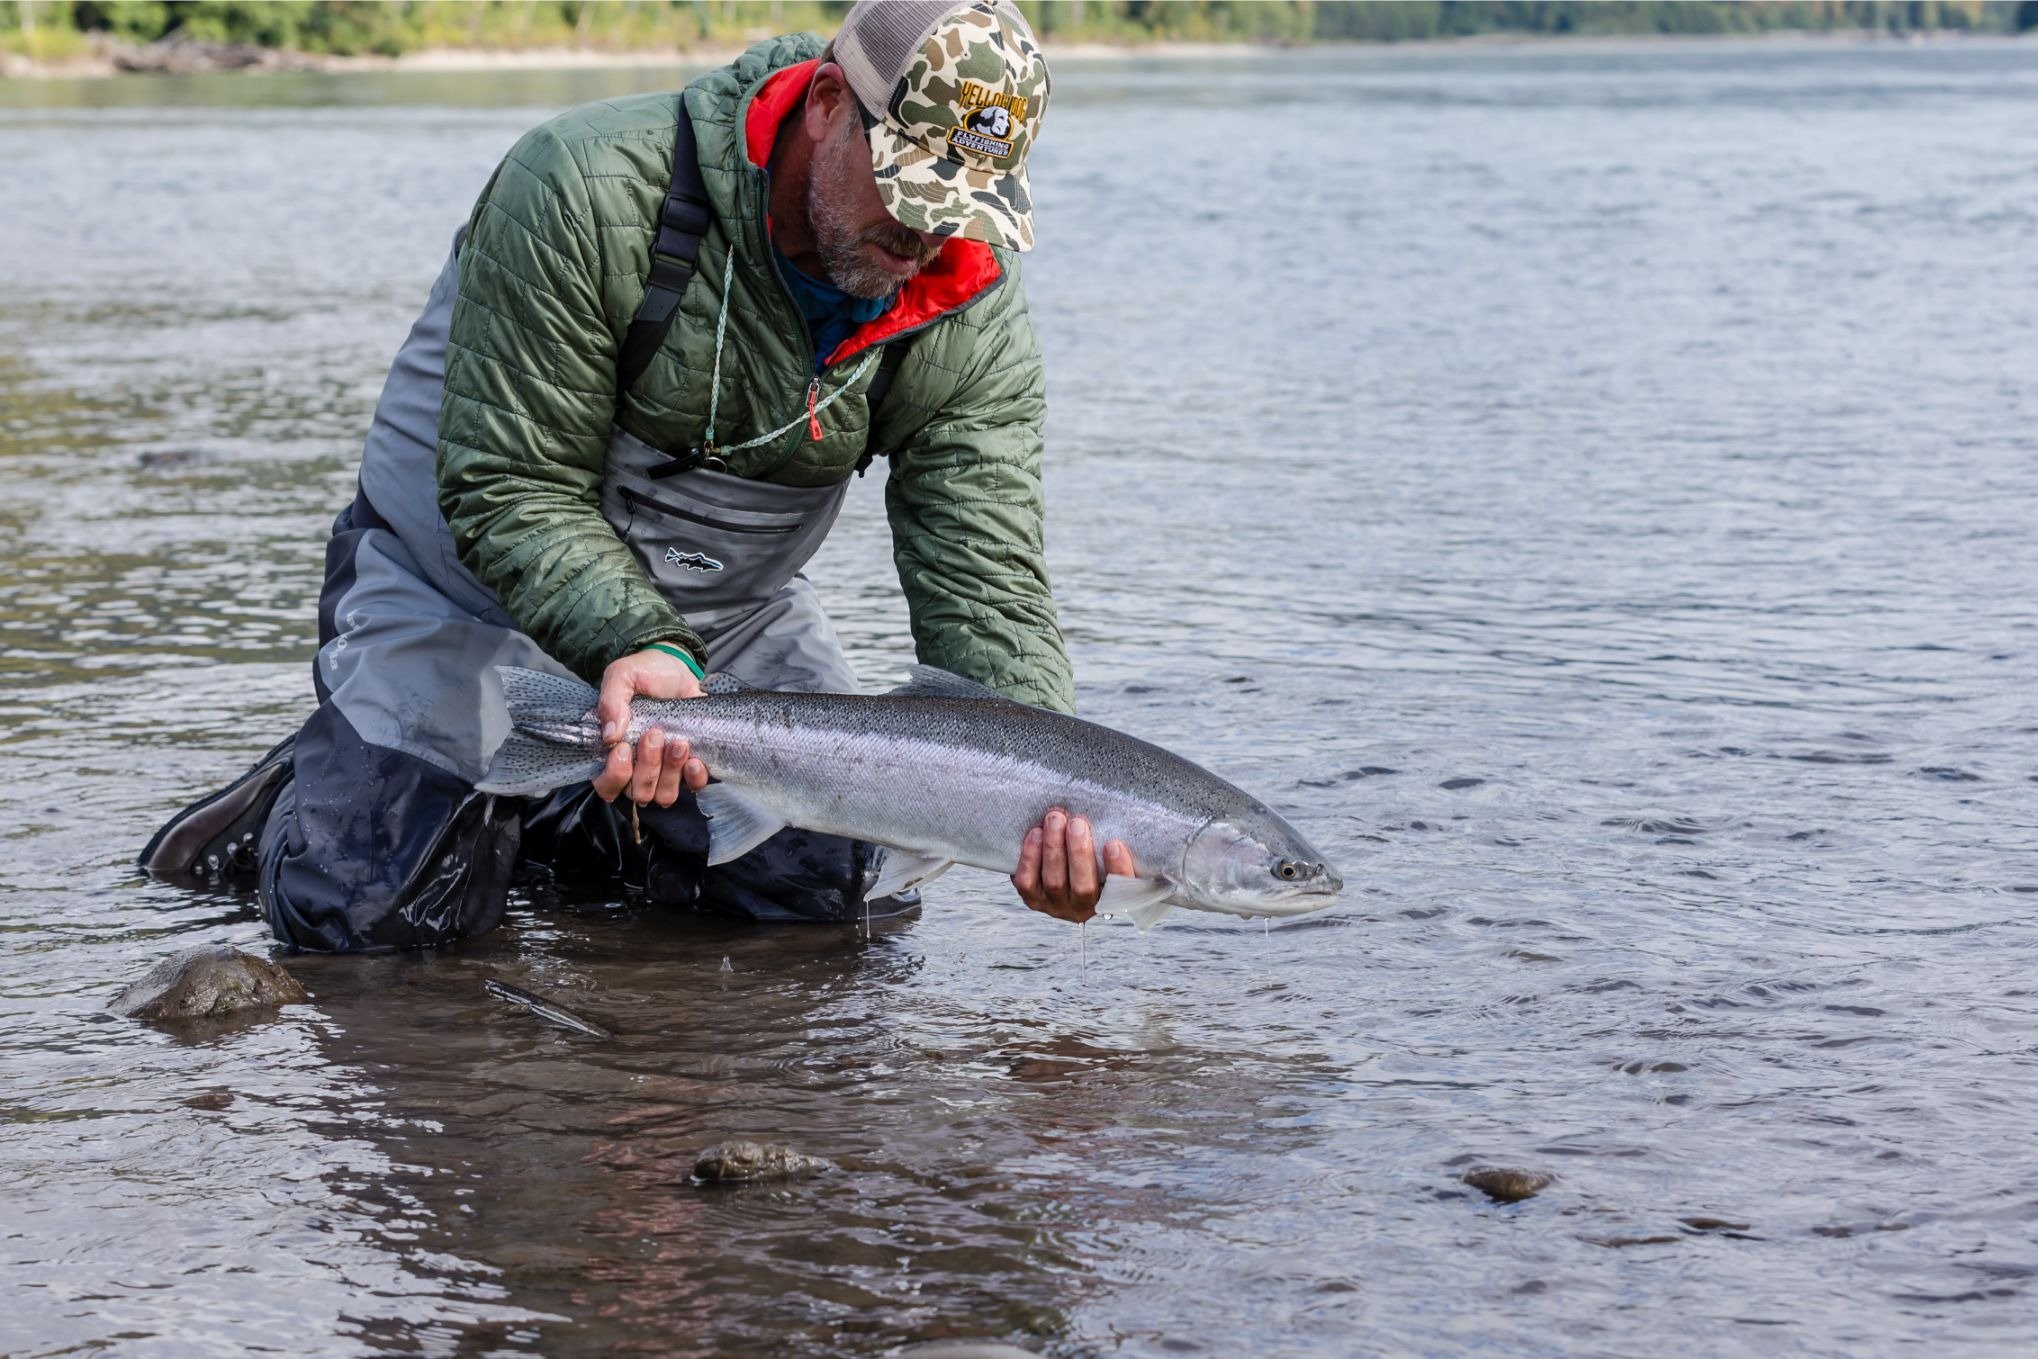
{"points": [[813, 420]]}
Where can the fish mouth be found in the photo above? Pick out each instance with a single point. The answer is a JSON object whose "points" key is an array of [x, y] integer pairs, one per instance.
{"points": [[1302, 902]]}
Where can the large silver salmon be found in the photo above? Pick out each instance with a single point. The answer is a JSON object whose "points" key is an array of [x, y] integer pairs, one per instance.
{"points": [[941, 771]]}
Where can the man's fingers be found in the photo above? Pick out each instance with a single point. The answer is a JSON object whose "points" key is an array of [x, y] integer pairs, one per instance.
{"points": [[696, 776], [1118, 859], [1054, 858], [1082, 864], [668, 777], [1026, 878], [650, 750], [615, 775]]}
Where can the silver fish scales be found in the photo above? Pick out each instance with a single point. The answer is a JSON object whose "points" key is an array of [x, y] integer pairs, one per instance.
{"points": [[941, 771]]}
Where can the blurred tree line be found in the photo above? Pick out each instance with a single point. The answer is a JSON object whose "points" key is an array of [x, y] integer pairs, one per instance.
{"points": [[55, 28]]}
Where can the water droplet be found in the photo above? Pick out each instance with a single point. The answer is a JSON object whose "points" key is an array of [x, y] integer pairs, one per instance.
{"points": [[726, 967]]}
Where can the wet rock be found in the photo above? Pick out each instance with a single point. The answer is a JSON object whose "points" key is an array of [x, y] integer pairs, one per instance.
{"points": [[211, 982], [1505, 1185], [212, 1101], [745, 1162], [1713, 1224], [964, 1349]]}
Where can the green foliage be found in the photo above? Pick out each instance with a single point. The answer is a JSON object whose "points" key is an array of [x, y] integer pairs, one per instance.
{"points": [[348, 27], [136, 20]]}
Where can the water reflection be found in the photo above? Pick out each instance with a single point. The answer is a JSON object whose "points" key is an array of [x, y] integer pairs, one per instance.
{"points": [[1588, 491]]}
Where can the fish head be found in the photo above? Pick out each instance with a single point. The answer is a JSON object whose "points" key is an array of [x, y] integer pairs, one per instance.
{"points": [[1255, 864]]}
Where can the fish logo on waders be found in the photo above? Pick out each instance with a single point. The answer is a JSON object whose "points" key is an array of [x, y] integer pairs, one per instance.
{"points": [[692, 561]]}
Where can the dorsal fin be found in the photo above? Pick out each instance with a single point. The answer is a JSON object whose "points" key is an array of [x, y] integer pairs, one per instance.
{"points": [[928, 682], [722, 682]]}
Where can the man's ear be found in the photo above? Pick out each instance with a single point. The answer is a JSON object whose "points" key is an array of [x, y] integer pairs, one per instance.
{"points": [[829, 100]]}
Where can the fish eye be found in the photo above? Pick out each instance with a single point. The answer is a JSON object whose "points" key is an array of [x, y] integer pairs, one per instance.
{"points": [[1288, 870]]}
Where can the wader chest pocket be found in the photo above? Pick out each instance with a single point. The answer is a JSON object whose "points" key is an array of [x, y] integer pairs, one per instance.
{"points": [[638, 501], [716, 546]]}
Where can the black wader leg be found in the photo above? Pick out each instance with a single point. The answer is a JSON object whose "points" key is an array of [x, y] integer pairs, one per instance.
{"points": [[795, 875], [577, 837], [371, 848]]}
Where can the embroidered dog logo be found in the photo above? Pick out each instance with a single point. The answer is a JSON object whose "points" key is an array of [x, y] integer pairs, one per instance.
{"points": [[991, 120], [692, 561]]}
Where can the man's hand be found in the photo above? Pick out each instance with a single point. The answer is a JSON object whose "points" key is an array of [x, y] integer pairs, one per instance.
{"points": [[1058, 867], [654, 771]]}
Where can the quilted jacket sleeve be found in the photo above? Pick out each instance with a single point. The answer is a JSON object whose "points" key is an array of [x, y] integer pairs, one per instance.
{"points": [[530, 395], [966, 509]]}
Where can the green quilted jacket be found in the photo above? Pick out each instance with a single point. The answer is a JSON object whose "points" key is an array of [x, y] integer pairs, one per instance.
{"points": [[551, 273]]}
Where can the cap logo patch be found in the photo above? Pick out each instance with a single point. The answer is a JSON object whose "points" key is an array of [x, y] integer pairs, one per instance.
{"points": [[990, 120]]}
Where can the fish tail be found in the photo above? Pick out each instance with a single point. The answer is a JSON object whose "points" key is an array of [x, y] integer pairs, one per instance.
{"points": [[552, 740]]}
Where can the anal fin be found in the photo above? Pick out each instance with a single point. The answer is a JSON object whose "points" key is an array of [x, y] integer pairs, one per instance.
{"points": [[737, 822], [903, 870]]}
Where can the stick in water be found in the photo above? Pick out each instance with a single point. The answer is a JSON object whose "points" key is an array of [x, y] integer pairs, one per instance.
{"points": [[544, 1009]]}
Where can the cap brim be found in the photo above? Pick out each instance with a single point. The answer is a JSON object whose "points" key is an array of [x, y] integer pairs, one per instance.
{"points": [[931, 193]]}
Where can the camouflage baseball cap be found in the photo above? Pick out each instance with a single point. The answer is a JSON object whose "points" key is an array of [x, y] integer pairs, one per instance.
{"points": [[952, 95]]}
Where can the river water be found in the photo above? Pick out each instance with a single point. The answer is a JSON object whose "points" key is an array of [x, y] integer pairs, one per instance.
{"points": [[1589, 489]]}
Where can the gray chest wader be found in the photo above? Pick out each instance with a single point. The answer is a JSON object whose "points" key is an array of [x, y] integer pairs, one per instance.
{"points": [[379, 840]]}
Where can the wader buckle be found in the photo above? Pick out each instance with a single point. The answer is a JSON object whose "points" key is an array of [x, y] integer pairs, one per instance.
{"points": [[700, 455]]}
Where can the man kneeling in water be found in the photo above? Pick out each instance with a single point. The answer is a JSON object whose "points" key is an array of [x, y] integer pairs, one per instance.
{"points": [[672, 328]]}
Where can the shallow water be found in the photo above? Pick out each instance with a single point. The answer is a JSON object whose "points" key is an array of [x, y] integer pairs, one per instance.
{"points": [[1590, 490]]}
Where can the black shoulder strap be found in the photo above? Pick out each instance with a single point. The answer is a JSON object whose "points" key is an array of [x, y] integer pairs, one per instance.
{"points": [[888, 365], [682, 222]]}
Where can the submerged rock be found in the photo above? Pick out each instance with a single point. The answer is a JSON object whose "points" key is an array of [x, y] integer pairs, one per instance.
{"points": [[751, 1162], [1505, 1185], [211, 982]]}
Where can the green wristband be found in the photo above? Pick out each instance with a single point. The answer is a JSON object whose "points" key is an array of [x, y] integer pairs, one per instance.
{"points": [[671, 650]]}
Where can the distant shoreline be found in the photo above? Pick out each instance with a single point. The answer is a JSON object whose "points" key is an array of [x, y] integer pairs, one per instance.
{"points": [[112, 60]]}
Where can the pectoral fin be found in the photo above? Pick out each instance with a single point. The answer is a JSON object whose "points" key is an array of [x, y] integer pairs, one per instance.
{"points": [[1144, 901], [902, 870], [737, 822]]}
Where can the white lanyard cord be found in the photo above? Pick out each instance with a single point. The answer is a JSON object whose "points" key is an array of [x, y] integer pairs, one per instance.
{"points": [[814, 408]]}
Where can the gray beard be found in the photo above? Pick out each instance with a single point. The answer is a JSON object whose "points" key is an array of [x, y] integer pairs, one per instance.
{"points": [[839, 246]]}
